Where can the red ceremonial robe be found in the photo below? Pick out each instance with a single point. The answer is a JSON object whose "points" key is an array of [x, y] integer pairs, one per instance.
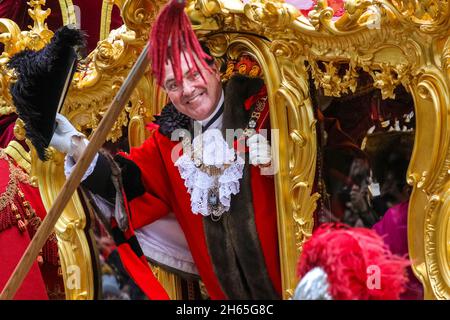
{"points": [[158, 189], [165, 192]]}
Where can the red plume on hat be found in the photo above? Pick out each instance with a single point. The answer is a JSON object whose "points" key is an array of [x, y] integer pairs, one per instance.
{"points": [[349, 264], [171, 37]]}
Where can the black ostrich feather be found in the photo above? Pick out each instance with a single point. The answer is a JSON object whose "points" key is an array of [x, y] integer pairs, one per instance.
{"points": [[42, 83]]}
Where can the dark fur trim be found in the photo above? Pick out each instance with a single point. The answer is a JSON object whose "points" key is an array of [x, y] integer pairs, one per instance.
{"points": [[171, 119], [40, 85], [131, 178], [233, 242], [238, 89], [235, 250]]}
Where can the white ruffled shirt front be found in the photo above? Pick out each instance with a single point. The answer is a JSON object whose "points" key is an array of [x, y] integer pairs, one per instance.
{"points": [[214, 152], [163, 240]]}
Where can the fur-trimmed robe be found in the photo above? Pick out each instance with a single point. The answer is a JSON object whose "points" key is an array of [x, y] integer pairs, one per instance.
{"points": [[237, 257]]}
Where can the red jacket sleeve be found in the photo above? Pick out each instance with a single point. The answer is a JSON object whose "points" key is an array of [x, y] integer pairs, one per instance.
{"points": [[154, 202]]}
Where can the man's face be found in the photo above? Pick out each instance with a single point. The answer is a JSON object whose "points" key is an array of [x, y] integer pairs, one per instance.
{"points": [[195, 97]]}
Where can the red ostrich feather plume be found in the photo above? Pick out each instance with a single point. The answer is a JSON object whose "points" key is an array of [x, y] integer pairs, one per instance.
{"points": [[348, 256], [171, 36]]}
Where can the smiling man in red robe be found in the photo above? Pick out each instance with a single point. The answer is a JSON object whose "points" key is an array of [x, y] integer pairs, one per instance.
{"points": [[224, 205]]}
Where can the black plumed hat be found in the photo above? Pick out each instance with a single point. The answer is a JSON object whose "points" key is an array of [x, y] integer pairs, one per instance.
{"points": [[43, 79]]}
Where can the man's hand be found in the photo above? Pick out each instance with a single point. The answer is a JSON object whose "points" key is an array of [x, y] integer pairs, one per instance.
{"points": [[66, 137], [259, 150]]}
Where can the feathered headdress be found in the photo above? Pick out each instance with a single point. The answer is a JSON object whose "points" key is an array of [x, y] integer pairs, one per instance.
{"points": [[343, 263]]}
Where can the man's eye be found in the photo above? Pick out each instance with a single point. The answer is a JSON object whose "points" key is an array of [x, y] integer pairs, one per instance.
{"points": [[194, 75], [172, 87]]}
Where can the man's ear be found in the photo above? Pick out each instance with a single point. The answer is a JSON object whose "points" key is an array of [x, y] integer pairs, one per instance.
{"points": [[216, 69], [216, 65]]}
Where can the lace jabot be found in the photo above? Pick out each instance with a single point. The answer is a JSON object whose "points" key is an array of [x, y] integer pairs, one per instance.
{"points": [[210, 165]]}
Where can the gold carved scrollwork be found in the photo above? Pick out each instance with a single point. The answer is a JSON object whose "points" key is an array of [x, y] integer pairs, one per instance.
{"points": [[429, 173], [301, 131], [358, 15], [387, 78], [14, 41], [431, 16], [329, 80], [75, 255], [437, 218], [201, 14], [271, 13], [297, 150]]}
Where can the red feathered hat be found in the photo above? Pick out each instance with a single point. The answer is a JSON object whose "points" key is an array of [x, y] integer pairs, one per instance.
{"points": [[343, 263]]}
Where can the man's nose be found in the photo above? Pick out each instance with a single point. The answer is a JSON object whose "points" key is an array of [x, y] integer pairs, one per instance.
{"points": [[188, 87]]}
